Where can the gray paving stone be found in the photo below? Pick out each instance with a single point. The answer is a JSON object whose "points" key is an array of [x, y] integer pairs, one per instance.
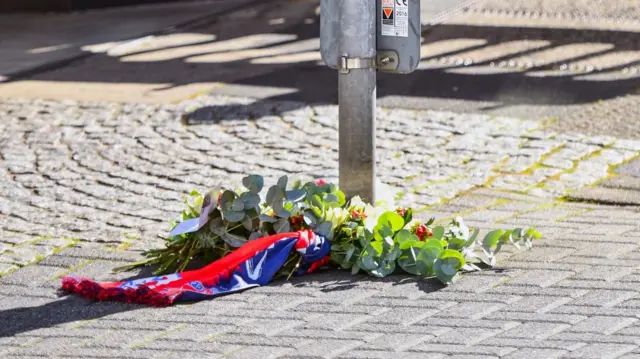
{"points": [[595, 338], [535, 331], [371, 354], [616, 196], [541, 278], [456, 349], [605, 298], [603, 325], [535, 344], [630, 169], [32, 275], [603, 351], [536, 354], [326, 347], [7, 268]]}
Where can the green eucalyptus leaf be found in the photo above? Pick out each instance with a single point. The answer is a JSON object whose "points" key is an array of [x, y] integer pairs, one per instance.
{"points": [[391, 220], [447, 265], [456, 243], [490, 241], [341, 198], [251, 200], [438, 232], [283, 213], [237, 205], [233, 240], [282, 226], [268, 219], [282, 182], [531, 232], [386, 268], [403, 236], [310, 219], [382, 231], [368, 262], [317, 211], [289, 206], [408, 259], [296, 195], [317, 201], [349, 253], [233, 216], [408, 215], [429, 253], [424, 267], [330, 198], [387, 243], [432, 249], [472, 239], [505, 237], [346, 265], [394, 253], [255, 235], [324, 228], [355, 268], [516, 234], [448, 254], [247, 222], [271, 192], [376, 248], [227, 198], [253, 183], [364, 242]]}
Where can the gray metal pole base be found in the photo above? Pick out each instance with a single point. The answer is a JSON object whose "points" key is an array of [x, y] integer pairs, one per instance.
{"points": [[357, 100]]}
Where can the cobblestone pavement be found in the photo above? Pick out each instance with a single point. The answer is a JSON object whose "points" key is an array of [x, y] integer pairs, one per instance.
{"points": [[86, 186]]}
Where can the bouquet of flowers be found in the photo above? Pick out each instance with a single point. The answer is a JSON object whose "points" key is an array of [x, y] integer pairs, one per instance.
{"points": [[378, 239]]}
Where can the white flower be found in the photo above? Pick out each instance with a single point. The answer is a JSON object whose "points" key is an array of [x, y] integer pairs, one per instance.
{"points": [[385, 196], [356, 203], [372, 213], [336, 216]]}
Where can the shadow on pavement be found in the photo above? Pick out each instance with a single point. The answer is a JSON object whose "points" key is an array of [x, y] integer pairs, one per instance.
{"points": [[273, 55], [333, 280], [69, 309]]}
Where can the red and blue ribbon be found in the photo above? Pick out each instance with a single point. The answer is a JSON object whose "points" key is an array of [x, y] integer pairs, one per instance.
{"points": [[252, 265]]}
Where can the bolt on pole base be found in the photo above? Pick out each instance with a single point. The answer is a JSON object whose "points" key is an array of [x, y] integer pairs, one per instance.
{"points": [[357, 98]]}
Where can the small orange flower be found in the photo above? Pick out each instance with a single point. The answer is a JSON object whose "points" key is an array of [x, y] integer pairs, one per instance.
{"points": [[358, 214]]}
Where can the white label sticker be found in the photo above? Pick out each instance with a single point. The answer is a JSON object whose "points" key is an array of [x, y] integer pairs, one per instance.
{"points": [[395, 18]]}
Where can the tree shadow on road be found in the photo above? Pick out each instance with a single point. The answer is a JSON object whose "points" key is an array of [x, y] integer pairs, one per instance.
{"points": [[273, 62]]}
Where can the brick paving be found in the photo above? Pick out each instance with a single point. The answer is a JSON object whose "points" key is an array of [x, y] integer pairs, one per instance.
{"points": [[86, 186]]}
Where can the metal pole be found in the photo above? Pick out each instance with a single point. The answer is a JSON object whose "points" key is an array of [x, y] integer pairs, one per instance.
{"points": [[357, 99]]}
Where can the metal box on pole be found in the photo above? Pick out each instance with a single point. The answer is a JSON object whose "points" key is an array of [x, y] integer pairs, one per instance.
{"points": [[397, 34], [359, 38]]}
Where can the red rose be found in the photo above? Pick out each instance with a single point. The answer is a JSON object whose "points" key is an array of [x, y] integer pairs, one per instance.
{"points": [[401, 211], [320, 182]]}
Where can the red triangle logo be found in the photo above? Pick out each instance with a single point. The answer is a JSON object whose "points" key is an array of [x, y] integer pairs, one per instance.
{"points": [[387, 12]]}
